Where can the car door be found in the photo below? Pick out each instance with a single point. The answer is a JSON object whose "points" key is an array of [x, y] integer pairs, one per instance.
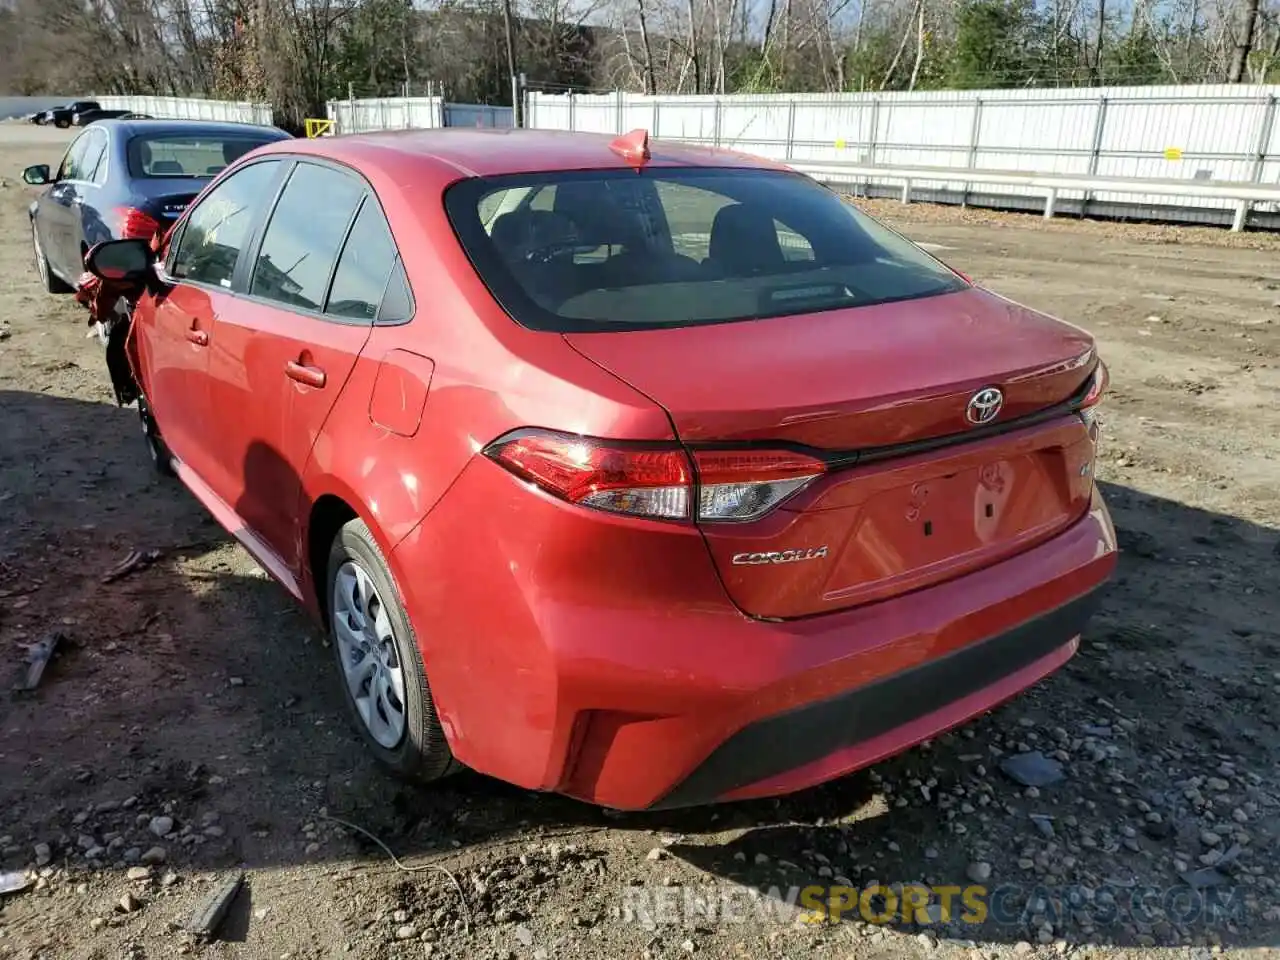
{"points": [[55, 211], [175, 334], [86, 226], [281, 360]]}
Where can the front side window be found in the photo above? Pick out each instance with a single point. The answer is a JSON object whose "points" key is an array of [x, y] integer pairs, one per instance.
{"points": [[304, 236], [219, 225], [93, 157], [74, 158], [614, 250]]}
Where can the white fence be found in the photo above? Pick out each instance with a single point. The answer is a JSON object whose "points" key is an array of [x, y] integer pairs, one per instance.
{"points": [[191, 108], [385, 113], [1214, 133]]}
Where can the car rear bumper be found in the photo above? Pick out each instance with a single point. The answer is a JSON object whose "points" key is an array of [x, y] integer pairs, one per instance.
{"points": [[605, 661], [815, 741]]}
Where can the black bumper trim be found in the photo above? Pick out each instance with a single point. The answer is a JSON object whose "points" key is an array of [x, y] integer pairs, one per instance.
{"points": [[789, 740]]}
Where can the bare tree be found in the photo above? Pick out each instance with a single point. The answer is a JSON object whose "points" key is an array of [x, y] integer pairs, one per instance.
{"points": [[1240, 58], [650, 77], [906, 35], [915, 69]]}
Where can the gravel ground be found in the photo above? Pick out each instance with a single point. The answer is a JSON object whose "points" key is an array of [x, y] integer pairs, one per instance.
{"points": [[190, 729]]}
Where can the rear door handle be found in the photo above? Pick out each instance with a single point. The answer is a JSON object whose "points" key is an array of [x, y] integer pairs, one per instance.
{"points": [[199, 337], [311, 376]]}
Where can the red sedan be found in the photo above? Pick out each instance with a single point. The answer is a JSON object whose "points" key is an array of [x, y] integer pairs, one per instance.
{"points": [[645, 473]]}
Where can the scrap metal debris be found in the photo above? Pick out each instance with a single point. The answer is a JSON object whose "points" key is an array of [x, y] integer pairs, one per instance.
{"points": [[462, 897], [136, 560], [38, 657], [13, 881], [209, 915]]}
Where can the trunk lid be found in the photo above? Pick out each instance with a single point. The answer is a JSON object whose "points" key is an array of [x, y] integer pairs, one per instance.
{"points": [[165, 199], [876, 377]]}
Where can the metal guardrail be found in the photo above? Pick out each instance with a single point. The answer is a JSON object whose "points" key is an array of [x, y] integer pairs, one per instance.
{"points": [[1244, 194]]}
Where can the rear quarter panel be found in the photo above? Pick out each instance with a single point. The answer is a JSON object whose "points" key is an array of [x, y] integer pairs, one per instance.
{"points": [[488, 377]]}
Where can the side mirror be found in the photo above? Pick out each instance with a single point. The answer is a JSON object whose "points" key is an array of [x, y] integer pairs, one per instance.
{"points": [[37, 175], [128, 260]]}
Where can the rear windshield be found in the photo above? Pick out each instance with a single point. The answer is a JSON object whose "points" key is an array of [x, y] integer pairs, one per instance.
{"points": [[671, 247], [187, 155]]}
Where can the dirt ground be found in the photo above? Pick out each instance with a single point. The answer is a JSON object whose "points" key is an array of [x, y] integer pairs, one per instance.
{"points": [[191, 719]]}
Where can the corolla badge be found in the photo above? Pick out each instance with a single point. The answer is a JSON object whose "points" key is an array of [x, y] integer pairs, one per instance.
{"points": [[984, 406], [781, 556]]}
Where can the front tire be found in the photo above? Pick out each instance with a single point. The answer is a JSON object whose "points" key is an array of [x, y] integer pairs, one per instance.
{"points": [[50, 281], [383, 678]]}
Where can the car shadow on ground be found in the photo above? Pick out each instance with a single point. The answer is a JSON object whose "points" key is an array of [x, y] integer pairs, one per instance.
{"points": [[196, 687]]}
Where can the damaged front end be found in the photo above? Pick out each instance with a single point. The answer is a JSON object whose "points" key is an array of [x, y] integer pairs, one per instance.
{"points": [[111, 300], [110, 305]]}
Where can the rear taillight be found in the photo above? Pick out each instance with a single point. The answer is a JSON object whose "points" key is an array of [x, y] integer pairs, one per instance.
{"points": [[647, 481], [135, 224], [1093, 395], [655, 480], [745, 484], [1097, 386]]}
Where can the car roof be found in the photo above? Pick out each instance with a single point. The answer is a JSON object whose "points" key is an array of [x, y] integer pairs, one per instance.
{"points": [[129, 127], [484, 152]]}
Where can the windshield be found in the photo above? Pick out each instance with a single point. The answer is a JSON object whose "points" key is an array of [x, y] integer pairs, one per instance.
{"points": [[187, 155], [613, 250]]}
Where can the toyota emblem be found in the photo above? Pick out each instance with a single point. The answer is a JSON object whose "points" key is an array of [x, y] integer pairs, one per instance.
{"points": [[984, 406]]}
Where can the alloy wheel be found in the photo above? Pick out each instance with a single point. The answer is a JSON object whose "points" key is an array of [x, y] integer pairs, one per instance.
{"points": [[367, 650]]}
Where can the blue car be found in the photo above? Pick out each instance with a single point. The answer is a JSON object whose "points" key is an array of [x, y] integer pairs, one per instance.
{"points": [[127, 178]]}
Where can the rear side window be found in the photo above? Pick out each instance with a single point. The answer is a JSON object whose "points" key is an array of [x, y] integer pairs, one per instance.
{"points": [[613, 250], [196, 156], [304, 235], [397, 301], [219, 225], [364, 267]]}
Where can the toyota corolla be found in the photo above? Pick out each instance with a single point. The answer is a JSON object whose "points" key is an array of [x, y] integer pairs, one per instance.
{"points": [[641, 472]]}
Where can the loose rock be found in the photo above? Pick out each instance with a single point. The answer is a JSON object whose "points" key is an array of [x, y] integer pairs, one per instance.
{"points": [[979, 871], [138, 873], [1032, 769], [161, 826], [153, 856]]}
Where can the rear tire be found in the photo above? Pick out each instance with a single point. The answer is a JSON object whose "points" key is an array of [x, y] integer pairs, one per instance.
{"points": [[50, 282], [379, 665]]}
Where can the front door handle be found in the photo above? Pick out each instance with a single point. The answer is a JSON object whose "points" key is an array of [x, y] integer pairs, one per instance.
{"points": [[199, 337], [311, 376]]}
